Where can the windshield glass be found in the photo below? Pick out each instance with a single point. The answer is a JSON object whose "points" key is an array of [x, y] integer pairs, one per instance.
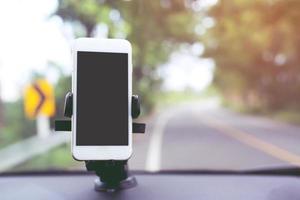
{"points": [[218, 80]]}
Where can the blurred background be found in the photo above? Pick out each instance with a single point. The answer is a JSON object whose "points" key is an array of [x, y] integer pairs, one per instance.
{"points": [[219, 80]]}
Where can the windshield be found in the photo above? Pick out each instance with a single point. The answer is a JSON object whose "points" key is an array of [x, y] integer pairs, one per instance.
{"points": [[218, 80]]}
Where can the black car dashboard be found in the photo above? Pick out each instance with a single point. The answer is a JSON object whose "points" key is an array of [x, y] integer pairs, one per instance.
{"points": [[152, 186]]}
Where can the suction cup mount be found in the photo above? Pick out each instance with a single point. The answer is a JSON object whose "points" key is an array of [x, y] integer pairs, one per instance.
{"points": [[112, 174]]}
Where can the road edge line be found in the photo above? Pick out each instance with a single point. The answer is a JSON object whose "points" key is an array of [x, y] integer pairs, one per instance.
{"points": [[153, 159]]}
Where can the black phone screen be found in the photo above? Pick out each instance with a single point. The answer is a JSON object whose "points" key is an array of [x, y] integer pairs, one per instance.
{"points": [[102, 99]]}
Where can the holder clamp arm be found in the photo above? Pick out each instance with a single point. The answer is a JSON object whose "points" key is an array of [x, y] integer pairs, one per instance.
{"points": [[65, 125]]}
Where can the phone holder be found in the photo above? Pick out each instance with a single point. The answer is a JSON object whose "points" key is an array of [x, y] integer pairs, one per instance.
{"points": [[112, 174]]}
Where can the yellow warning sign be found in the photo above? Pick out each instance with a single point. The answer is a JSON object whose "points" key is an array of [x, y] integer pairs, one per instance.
{"points": [[39, 99]]}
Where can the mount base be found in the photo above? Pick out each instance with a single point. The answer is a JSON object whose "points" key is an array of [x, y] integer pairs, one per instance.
{"points": [[129, 182]]}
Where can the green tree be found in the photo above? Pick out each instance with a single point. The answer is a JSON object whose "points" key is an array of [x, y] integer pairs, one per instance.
{"points": [[62, 86], [256, 47], [155, 29], [16, 126], [1, 114]]}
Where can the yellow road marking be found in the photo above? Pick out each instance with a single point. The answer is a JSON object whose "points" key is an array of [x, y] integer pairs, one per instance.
{"points": [[254, 142]]}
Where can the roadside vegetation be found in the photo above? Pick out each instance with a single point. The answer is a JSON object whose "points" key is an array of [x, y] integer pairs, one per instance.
{"points": [[58, 158], [255, 45]]}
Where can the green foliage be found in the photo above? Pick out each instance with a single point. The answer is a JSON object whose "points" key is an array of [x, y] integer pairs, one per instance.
{"points": [[62, 86], [155, 29], [83, 11], [256, 47], [16, 126], [57, 158], [1, 114], [290, 116]]}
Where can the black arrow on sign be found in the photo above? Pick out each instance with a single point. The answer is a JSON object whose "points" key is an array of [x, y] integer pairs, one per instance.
{"points": [[42, 98]]}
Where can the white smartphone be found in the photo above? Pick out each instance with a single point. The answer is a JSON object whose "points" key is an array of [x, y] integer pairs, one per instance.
{"points": [[102, 90]]}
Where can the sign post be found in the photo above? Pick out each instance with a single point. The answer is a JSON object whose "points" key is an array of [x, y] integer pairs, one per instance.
{"points": [[42, 126], [39, 103]]}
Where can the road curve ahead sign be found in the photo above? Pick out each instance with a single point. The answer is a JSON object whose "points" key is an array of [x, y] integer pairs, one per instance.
{"points": [[39, 99]]}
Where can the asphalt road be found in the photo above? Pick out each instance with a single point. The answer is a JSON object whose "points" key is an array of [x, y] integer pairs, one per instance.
{"points": [[203, 135]]}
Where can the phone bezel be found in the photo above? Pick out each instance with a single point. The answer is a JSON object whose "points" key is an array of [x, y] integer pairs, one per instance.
{"points": [[101, 152]]}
